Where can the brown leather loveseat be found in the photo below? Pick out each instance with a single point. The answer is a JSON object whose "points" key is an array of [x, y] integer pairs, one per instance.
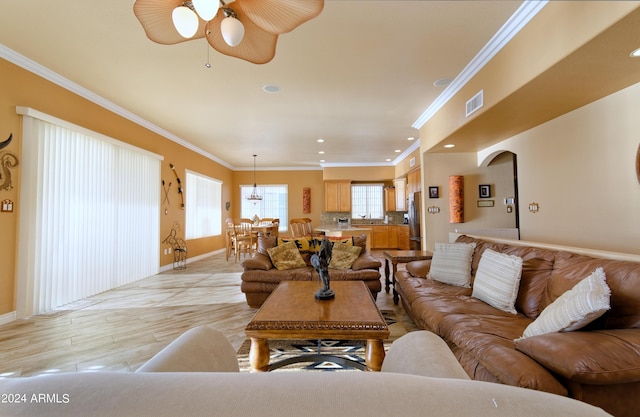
{"points": [[598, 364], [260, 277]]}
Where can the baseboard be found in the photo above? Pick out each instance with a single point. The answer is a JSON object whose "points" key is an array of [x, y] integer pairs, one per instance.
{"points": [[8, 318], [169, 267]]}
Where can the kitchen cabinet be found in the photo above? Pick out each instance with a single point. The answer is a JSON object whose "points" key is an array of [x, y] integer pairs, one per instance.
{"points": [[414, 182], [400, 185], [337, 195], [390, 199], [389, 236], [380, 237], [403, 237]]}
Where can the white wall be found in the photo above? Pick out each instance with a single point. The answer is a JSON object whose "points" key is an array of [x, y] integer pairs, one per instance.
{"points": [[580, 168]]}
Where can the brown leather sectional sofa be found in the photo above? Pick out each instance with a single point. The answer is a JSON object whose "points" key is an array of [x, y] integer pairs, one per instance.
{"points": [[260, 277], [598, 364]]}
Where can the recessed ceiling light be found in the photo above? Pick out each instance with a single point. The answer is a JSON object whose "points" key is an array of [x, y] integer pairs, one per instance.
{"points": [[322, 160], [388, 159], [271, 89], [635, 54], [320, 140], [411, 138], [442, 82], [321, 152], [398, 151], [450, 145]]}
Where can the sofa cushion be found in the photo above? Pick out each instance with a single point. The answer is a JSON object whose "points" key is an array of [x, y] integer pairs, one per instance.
{"points": [[585, 302], [451, 263], [590, 357], [343, 255], [286, 256], [497, 280]]}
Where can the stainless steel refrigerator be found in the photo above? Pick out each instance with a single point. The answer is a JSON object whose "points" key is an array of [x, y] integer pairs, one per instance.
{"points": [[415, 202]]}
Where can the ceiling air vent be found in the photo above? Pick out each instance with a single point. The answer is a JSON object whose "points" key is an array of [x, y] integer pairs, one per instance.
{"points": [[475, 103]]}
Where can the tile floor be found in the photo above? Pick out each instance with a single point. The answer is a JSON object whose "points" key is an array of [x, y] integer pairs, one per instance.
{"points": [[120, 329]]}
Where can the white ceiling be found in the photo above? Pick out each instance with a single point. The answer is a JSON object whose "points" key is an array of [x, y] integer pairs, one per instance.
{"points": [[358, 76]]}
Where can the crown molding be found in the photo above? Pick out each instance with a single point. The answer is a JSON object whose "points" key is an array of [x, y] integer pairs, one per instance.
{"points": [[516, 22], [40, 70]]}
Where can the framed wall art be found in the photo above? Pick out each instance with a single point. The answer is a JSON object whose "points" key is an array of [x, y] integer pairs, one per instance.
{"points": [[434, 192], [484, 190]]}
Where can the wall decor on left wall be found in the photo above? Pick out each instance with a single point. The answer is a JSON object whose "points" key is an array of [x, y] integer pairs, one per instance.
{"points": [[7, 162]]}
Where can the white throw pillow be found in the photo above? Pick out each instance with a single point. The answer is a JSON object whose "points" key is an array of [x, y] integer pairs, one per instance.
{"points": [[577, 307], [498, 279], [451, 263]]}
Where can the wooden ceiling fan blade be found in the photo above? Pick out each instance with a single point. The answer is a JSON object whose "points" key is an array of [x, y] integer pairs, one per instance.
{"points": [[258, 46], [155, 18], [279, 16]]}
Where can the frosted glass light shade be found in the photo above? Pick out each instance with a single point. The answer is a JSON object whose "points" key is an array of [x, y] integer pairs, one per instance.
{"points": [[185, 21], [232, 31], [206, 9]]}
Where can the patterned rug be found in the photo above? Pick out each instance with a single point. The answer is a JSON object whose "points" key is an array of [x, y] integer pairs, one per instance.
{"points": [[349, 354]]}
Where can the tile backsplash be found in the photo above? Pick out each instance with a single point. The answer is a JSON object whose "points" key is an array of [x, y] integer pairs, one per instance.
{"points": [[329, 217]]}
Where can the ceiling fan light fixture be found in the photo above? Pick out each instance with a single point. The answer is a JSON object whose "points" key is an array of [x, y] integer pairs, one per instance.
{"points": [[206, 9], [232, 30], [185, 21]]}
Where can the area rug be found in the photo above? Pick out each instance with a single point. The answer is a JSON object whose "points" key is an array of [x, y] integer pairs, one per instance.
{"points": [[345, 350]]}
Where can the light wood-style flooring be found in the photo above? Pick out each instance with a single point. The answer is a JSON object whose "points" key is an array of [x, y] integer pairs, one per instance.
{"points": [[120, 329]]}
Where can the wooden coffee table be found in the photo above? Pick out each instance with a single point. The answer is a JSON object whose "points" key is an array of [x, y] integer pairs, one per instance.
{"points": [[400, 257], [292, 312]]}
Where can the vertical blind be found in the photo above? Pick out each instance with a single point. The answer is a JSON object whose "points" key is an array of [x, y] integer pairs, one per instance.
{"points": [[89, 215], [203, 206]]}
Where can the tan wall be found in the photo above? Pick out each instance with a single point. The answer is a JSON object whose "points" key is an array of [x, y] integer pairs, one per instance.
{"points": [[438, 168], [529, 54], [22, 88], [580, 168], [404, 166], [373, 173]]}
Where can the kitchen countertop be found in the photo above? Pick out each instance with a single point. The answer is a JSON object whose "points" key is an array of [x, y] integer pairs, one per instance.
{"points": [[334, 227]]}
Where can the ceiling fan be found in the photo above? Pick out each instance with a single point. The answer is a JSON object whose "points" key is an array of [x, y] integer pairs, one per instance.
{"points": [[245, 29]]}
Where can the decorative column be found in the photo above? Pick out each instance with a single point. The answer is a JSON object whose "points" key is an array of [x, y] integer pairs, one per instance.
{"points": [[456, 199]]}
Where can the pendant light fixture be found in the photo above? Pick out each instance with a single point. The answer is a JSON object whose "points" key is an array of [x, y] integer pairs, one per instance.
{"points": [[254, 195]]}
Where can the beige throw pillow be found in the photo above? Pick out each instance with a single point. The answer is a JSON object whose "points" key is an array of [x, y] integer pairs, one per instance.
{"points": [[451, 263], [286, 256], [498, 279], [585, 302], [343, 255]]}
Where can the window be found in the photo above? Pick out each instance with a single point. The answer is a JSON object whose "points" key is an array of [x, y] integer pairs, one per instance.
{"points": [[274, 203], [203, 206], [367, 201]]}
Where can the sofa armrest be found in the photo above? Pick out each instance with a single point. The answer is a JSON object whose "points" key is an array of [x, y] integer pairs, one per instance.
{"points": [[258, 261], [423, 353], [366, 261], [591, 357], [201, 349], [419, 268]]}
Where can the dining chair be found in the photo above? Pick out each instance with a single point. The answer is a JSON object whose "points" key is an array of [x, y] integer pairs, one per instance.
{"points": [[244, 238], [229, 237], [275, 227], [301, 227]]}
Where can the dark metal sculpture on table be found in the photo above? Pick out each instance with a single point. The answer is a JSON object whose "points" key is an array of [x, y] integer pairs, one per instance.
{"points": [[320, 262]]}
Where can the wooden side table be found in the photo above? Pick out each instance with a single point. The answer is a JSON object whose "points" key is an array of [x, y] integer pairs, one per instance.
{"points": [[400, 257]]}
